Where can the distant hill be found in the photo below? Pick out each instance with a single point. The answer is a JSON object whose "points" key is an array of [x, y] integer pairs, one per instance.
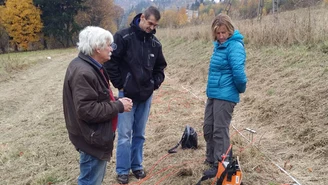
{"points": [[139, 5], [162, 4], [126, 4]]}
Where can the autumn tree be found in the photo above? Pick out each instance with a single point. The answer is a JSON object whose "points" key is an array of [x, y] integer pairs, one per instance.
{"points": [[211, 13], [201, 8], [130, 18], [168, 18], [119, 15], [103, 13], [22, 21], [249, 9], [113, 22], [205, 13], [174, 18], [58, 19], [182, 17]]}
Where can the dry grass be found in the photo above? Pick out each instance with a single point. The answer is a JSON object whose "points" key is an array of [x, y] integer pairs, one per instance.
{"points": [[286, 99], [301, 27], [285, 103], [14, 62], [307, 27]]}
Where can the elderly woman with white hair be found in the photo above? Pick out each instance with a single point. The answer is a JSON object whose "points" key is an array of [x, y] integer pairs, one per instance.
{"points": [[90, 109]]}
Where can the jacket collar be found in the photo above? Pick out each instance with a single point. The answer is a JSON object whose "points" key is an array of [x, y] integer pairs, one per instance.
{"points": [[236, 36], [99, 66], [94, 65], [87, 59]]}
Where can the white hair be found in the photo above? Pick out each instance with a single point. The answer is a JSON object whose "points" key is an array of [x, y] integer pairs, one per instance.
{"points": [[92, 37]]}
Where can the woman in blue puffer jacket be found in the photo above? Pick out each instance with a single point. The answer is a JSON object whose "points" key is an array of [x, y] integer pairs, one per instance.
{"points": [[226, 80]]}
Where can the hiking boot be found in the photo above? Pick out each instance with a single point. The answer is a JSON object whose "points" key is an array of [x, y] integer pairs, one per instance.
{"points": [[123, 179], [139, 174], [210, 173]]}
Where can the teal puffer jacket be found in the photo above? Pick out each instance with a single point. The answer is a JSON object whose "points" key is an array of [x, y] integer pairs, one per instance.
{"points": [[226, 76]]}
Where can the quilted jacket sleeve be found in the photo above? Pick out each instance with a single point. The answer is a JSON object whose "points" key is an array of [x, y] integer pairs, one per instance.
{"points": [[237, 59]]}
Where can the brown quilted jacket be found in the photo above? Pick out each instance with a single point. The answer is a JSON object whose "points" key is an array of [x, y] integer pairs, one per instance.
{"points": [[88, 110]]}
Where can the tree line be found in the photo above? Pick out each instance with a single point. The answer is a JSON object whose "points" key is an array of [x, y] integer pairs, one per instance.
{"points": [[193, 12], [43, 24]]}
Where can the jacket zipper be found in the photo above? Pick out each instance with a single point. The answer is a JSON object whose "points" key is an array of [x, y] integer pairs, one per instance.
{"points": [[126, 79], [143, 46]]}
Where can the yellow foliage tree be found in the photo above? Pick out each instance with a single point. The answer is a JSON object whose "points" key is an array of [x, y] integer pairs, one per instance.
{"points": [[201, 8], [211, 13], [207, 17], [182, 17], [173, 18], [1, 10], [22, 21], [203, 17], [130, 18], [168, 18]]}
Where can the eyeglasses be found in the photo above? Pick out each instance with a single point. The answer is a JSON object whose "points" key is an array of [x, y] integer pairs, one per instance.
{"points": [[113, 46], [152, 24]]}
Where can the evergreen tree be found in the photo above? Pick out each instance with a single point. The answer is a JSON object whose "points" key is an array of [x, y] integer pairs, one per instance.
{"points": [[58, 19]]}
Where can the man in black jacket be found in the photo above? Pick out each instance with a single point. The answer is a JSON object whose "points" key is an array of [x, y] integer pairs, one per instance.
{"points": [[136, 69]]}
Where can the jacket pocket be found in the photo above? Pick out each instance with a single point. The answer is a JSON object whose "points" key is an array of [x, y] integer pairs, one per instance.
{"points": [[147, 90], [150, 60], [103, 95], [103, 136], [100, 135]]}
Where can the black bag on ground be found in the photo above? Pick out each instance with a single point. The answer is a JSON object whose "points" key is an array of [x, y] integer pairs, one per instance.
{"points": [[188, 140]]}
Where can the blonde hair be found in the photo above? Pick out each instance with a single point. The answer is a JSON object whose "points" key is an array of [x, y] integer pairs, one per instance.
{"points": [[92, 38], [222, 20]]}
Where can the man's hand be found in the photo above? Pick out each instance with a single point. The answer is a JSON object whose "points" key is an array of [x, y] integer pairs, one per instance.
{"points": [[127, 104]]}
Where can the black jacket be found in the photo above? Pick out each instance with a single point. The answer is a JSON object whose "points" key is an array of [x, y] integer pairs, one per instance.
{"points": [[137, 65], [88, 110]]}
